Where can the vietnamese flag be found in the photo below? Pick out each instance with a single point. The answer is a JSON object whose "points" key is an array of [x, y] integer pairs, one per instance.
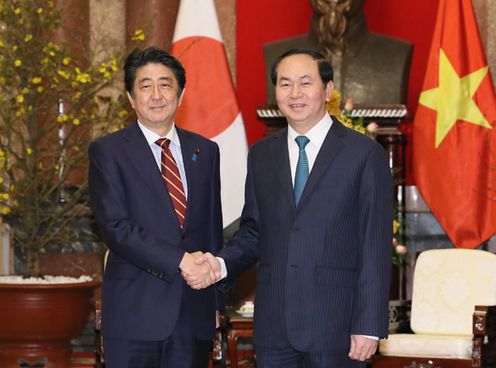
{"points": [[209, 106], [454, 142]]}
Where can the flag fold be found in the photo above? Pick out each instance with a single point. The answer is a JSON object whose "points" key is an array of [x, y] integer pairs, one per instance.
{"points": [[454, 152], [210, 107]]}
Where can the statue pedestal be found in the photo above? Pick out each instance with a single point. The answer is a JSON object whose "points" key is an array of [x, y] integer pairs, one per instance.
{"points": [[387, 116]]}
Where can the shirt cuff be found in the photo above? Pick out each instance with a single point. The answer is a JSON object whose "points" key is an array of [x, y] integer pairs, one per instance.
{"points": [[223, 269], [371, 337]]}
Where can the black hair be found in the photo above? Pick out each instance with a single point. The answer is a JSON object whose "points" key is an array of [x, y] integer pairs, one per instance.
{"points": [[152, 55], [325, 67]]}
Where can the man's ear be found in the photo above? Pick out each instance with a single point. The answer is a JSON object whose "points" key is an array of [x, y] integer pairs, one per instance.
{"points": [[131, 99], [329, 87]]}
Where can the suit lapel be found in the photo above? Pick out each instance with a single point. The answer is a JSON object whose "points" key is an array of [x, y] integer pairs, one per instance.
{"points": [[280, 157], [331, 147], [139, 154]]}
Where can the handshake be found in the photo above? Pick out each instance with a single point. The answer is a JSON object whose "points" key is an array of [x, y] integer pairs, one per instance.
{"points": [[200, 270]]}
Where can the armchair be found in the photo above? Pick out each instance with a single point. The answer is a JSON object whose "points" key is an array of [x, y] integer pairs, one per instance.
{"points": [[453, 316]]}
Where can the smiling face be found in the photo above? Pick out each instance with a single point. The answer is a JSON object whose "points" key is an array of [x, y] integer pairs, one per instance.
{"points": [[300, 93], [155, 97]]}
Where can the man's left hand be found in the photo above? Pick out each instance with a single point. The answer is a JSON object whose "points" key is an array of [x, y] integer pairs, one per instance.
{"points": [[362, 347]]}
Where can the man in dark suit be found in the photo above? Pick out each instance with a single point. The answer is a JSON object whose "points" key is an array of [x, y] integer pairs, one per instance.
{"points": [[155, 194], [318, 218]]}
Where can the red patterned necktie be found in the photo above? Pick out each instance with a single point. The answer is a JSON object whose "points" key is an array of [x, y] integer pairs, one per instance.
{"points": [[170, 174]]}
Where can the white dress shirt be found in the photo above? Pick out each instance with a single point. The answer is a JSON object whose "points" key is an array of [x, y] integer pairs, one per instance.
{"points": [[174, 146], [316, 135]]}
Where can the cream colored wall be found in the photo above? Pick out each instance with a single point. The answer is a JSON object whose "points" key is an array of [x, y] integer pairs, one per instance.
{"points": [[486, 16], [107, 32], [108, 27]]}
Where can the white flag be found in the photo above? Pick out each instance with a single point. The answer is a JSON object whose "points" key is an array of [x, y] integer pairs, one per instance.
{"points": [[210, 107]]}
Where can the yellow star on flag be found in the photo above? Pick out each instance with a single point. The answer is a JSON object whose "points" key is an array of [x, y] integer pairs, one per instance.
{"points": [[453, 98]]}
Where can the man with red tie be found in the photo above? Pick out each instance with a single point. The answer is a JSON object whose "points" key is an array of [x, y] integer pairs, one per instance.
{"points": [[155, 193]]}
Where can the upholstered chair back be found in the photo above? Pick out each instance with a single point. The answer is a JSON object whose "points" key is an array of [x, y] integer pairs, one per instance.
{"points": [[448, 283]]}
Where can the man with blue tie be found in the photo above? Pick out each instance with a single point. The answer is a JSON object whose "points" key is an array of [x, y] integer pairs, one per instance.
{"points": [[155, 193], [318, 218]]}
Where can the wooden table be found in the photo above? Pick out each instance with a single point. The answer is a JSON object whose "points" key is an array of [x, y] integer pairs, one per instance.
{"points": [[236, 326]]}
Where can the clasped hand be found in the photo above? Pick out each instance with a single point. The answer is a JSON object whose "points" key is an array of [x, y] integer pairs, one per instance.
{"points": [[200, 270]]}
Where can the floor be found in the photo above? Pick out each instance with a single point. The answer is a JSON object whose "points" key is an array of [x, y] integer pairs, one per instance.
{"points": [[83, 360]]}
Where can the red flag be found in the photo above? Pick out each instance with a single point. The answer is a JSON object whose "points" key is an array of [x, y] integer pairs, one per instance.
{"points": [[454, 155], [209, 106]]}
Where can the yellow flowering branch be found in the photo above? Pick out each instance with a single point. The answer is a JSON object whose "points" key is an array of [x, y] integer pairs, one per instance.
{"points": [[43, 150]]}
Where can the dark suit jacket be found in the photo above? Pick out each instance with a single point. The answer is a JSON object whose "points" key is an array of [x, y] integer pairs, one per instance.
{"points": [[143, 290], [324, 267]]}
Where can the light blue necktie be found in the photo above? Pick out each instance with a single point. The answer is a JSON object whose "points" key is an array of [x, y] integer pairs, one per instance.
{"points": [[302, 170]]}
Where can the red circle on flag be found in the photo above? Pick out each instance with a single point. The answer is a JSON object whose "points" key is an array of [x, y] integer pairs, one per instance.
{"points": [[209, 105]]}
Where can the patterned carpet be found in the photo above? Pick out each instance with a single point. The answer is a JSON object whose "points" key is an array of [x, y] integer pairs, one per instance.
{"points": [[83, 360]]}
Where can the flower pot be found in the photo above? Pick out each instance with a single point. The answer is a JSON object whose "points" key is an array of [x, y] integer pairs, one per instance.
{"points": [[37, 321]]}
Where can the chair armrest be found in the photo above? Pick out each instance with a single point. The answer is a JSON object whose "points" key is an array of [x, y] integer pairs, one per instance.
{"points": [[484, 342], [483, 321], [99, 359], [98, 315], [399, 316]]}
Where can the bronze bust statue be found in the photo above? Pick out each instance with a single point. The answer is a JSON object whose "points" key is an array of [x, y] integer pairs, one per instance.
{"points": [[368, 67]]}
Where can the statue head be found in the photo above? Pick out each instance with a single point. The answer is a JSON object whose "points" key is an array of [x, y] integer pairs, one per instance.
{"points": [[333, 18]]}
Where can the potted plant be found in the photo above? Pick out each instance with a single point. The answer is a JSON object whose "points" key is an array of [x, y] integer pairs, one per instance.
{"points": [[52, 106], [53, 103]]}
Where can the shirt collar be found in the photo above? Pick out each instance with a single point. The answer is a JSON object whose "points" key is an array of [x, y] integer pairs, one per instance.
{"points": [[151, 137], [316, 134]]}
